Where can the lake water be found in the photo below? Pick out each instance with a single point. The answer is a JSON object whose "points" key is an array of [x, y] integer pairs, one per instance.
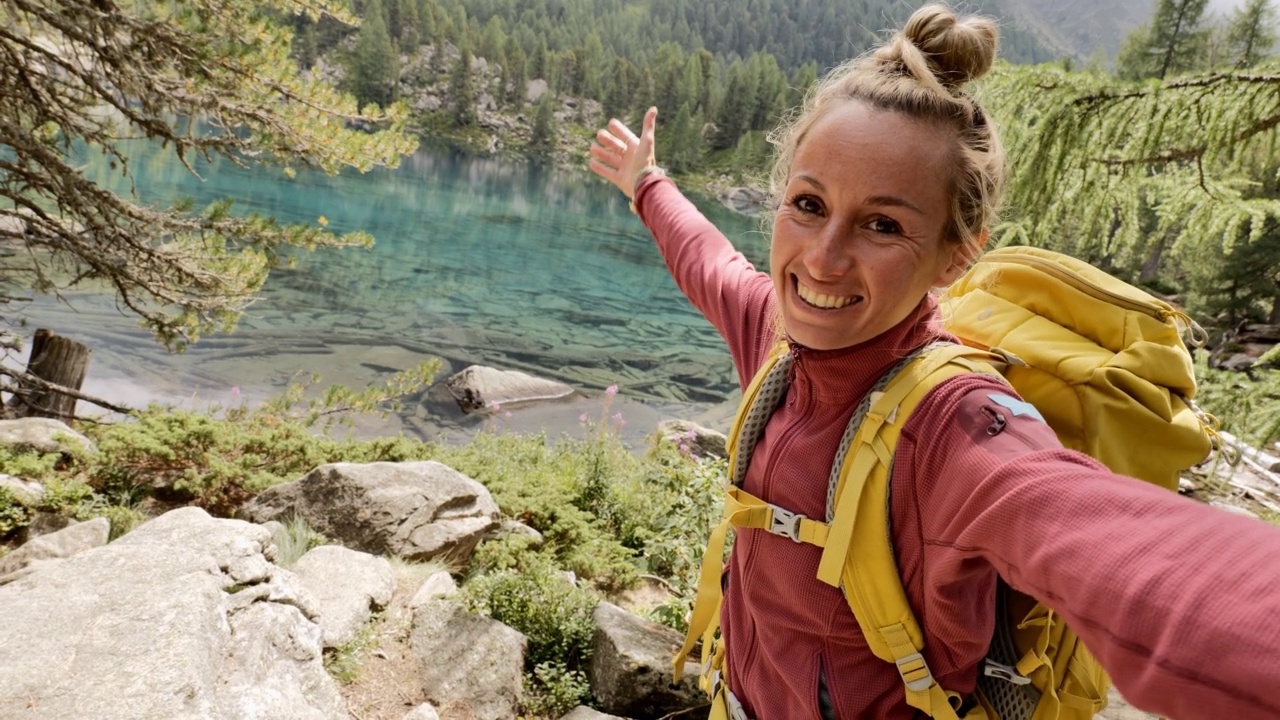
{"points": [[477, 260]]}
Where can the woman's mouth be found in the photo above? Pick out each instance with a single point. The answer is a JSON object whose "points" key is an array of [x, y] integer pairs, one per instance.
{"points": [[824, 301]]}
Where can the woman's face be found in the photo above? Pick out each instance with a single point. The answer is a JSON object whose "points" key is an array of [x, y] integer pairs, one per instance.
{"points": [[857, 242]]}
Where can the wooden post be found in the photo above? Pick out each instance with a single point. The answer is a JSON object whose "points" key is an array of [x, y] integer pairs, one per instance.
{"points": [[57, 360]]}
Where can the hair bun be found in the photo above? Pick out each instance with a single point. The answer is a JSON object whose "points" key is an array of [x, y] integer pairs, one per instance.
{"points": [[957, 50]]}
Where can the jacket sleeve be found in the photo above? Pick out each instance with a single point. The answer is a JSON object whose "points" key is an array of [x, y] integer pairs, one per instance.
{"points": [[720, 282], [1178, 600]]}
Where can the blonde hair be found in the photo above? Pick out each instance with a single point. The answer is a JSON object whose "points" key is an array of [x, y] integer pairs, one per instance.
{"points": [[920, 72]]}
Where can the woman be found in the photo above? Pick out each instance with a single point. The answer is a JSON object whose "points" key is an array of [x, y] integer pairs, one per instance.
{"points": [[886, 184]]}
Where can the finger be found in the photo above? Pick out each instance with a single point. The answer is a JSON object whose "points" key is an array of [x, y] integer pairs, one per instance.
{"points": [[623, 132], [605, 156], [606, 139], [603, 170], [650, 121]]}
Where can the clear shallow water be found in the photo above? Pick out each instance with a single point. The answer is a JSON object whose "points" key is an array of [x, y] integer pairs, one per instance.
{"points": [[476, 261]]}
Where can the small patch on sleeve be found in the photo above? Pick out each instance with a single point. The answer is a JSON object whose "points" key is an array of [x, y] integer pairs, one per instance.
{"points": [[1016, 406]]}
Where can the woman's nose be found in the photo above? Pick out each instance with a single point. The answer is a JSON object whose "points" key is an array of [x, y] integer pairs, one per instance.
{"points": [[830, 253]]}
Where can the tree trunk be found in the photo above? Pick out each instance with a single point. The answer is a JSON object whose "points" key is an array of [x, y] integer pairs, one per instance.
{"points": [[1151, 268], [1275, 311], [56, 360]]}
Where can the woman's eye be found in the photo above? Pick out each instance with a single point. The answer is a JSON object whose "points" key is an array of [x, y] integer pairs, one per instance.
{"points": [[885, 226], [806, 204]]}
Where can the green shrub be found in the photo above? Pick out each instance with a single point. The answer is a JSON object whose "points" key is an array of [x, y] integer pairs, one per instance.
{"points": [[221, 462], [536, 599], [667, 515], [552, 690], [540, 484], [28, 465], [123, 519], [13, 514]]}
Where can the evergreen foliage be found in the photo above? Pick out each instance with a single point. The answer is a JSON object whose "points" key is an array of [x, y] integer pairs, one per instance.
{"points": [[1251, 33], [462, 90], [1142, 179], [1174, 42], [542, 141], [80, 76], [374, 65]]}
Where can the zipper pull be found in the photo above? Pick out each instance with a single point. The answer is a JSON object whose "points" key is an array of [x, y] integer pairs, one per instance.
{"points": [[997, 421]]}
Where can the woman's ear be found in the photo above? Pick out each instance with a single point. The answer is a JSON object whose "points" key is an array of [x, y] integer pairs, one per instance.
{"points": [[961, 257]]}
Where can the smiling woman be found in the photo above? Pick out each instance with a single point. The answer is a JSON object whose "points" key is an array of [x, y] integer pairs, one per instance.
{"points": [[858, 240], [887, 182]]}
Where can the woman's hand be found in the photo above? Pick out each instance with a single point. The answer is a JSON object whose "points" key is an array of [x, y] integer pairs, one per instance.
{"points": [[617, 155]]}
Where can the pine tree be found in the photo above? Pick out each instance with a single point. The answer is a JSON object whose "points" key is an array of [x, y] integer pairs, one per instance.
{"points": [[538, 63], [374, 66], [182, 272], [542, 142], [493, 41], [1173, 43], [1250, 34], [684, 142], [462, 91], [516, 76], [736, 110]]}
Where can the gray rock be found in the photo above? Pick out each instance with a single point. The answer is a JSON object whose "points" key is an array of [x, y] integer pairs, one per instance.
{"points": [[469, 663], [47, 523], [582, 712], [347, 586], [514, 527], [425, 711], [630, 669], [439, 585], [536, 89], [700, 441], [416, 510], [747, 200], [25, 492], [184, 617], [44, 435], [56, 546], [478, 387]]}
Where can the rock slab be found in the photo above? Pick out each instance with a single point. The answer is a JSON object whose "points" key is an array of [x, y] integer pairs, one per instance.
{"points": [[415, 510], [184, 617], [630, 669], [471, 666]]}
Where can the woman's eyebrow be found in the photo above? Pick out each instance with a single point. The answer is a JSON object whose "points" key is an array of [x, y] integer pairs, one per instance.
{"points": [[894, 201], [886, 200]]}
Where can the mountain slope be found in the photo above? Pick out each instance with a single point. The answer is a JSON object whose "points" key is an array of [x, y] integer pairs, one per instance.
{"points": [[1078, 28]]}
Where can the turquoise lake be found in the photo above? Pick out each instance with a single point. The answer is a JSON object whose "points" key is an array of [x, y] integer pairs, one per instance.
{"points": [[476, 260]]}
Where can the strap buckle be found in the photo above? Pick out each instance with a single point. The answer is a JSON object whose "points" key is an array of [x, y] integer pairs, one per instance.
{"points": [[917, 666], [1004, 672], [786, 523]]}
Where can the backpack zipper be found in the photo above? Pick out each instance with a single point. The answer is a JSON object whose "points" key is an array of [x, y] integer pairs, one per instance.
{"points": [[1075, 280]]}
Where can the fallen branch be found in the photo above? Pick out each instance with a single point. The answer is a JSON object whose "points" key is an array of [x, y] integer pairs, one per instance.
{"points": [[43, 384]]}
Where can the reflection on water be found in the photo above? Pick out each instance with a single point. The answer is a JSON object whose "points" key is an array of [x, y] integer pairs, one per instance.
{"points": [[476, 261]]}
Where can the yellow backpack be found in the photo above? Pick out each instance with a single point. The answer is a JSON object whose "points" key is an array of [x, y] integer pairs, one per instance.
{"points": [[1101, 360]]}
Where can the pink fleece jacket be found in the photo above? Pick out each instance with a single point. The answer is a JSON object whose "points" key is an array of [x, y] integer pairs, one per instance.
{"points": [[1179, 601]]}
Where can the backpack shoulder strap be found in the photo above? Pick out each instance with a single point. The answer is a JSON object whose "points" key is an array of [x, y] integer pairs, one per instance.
{"points": [[870, 578]]}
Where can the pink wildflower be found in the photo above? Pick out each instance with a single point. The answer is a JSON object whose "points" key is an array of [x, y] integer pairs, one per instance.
{"points": [[582, 418], [611, 390], [617, 417]]}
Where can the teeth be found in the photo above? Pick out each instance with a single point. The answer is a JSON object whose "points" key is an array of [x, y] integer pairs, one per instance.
{"points": [[829, 302]]}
